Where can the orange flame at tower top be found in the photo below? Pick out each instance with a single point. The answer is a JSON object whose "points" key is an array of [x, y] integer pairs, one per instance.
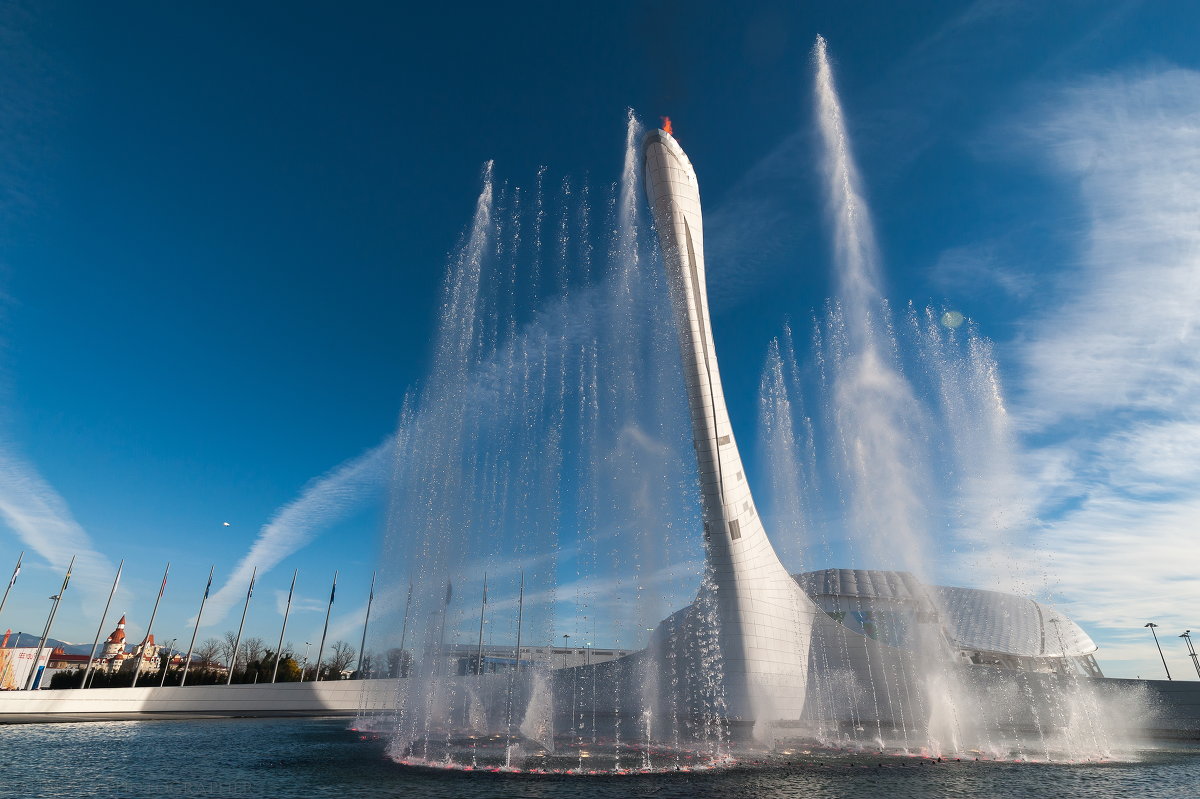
{"points": [[667, 125]]}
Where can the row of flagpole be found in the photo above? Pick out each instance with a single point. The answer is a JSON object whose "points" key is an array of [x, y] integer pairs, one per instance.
{"points": [[57, 599]]}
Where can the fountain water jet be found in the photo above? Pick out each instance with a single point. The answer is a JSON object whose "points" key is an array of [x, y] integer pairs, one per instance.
{"points": [[552, 444]]}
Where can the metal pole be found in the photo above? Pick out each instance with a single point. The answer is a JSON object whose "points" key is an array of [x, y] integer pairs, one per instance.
{"points": [[237, 642], [1187, 637], [137, 669], [517, 667], [482, 607], [366, 620], [325, 631], [12, 581], [33, 674], [520, 613], [167, 662], [441, 650], [307, 646], [96, 642], [283, 629], [1152, 625], [404, 629], [187, 660]]}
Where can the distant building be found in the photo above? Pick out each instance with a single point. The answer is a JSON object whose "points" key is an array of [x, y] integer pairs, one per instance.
{"points": [[61, 660], [499, 658], [16, 663], [145, 657]]}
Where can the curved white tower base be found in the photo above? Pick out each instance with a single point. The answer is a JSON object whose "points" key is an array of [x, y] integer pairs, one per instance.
{"points": [[765, 618]]}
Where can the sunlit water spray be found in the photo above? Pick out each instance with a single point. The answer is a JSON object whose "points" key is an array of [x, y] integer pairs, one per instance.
{"points": [[915, 447], [550, 450]]}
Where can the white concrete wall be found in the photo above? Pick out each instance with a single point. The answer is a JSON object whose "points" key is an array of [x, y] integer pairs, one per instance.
{"points": [[291, 698]]}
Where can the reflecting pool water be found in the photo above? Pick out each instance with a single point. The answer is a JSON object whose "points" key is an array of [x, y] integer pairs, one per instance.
{"points": [[286, 758]]}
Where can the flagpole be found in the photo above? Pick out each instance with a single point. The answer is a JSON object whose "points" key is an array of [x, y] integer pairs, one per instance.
{"points": [[282, 630], [328, 610], [187, 661], [520, 613], [137, 669], [441, 651], [404, 629], [238, 641], [366, 620], [12, 581], [482, 607], [513, 679], [100, 629], [33, 674]]}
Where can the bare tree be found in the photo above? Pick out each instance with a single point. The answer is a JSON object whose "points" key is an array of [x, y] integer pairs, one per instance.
{"points": [[208, 651], [343, 653], [253, 648], [229, 640]]}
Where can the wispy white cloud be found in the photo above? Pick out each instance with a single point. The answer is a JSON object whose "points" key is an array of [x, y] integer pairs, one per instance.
{"points": [[1111, 383], [980, 268], [33, 510], [1126, 335], [300, 604], [326, 499]]}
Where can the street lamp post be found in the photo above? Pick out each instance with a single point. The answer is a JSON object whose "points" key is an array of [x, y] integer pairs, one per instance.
{"points": [[304, 665], [34, 675], [1152, 625], [566, 655], [167, 662], [1187, 639]]}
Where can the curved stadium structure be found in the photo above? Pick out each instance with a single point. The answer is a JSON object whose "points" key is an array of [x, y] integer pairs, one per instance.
{"points": [[983, 628]]}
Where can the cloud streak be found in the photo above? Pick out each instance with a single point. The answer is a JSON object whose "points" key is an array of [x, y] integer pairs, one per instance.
{"points": [[41, 519], [325, 500]]}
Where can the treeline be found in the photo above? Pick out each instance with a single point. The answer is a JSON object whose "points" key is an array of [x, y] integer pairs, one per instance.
{"points": [[253, 663]]}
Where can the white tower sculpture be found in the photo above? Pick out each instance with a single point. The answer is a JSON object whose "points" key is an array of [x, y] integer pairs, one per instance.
{"points": [[765, 618]]}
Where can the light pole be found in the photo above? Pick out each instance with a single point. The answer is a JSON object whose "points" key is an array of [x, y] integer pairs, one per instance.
{"points": [[167, 662], [304, 665], [1152, 625], [35, 675], [566, 655], [1187, 639]]}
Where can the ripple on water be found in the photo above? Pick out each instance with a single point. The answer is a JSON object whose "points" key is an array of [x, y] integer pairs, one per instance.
{"points": [[284, 758]]}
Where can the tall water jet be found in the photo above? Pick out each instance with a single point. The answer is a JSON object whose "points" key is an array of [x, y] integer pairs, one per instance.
{"points": [[878, 418], [782, 451], [877, 414], [548, 449], [989, 512]]}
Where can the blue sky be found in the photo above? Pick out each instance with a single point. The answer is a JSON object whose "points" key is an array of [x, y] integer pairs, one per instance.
{"points": [[223, 228]]}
